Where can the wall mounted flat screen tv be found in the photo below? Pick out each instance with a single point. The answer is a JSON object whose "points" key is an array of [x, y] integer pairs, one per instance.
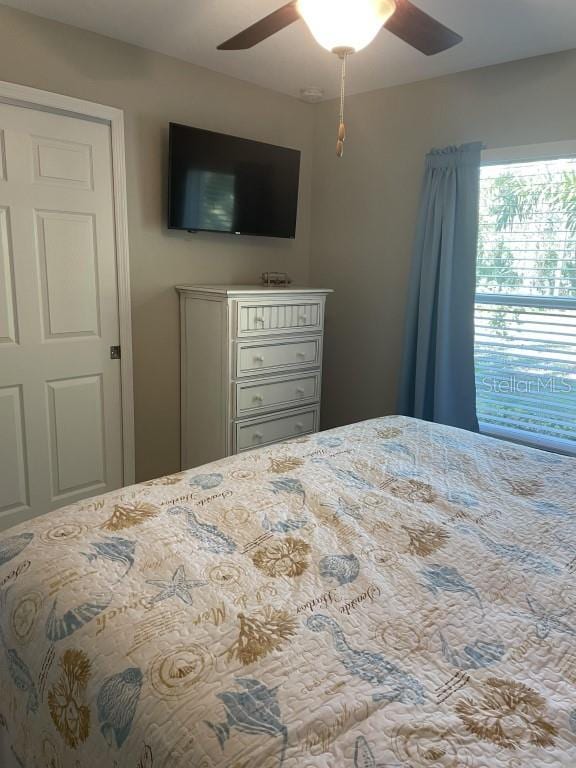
{"points": [[220, 183]]}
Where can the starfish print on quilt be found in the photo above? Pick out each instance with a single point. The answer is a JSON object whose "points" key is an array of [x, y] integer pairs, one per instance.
{"points": [[176, 586]]}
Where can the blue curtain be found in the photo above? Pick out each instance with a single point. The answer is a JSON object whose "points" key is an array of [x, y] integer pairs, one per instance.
{"points": [[437, 381]]}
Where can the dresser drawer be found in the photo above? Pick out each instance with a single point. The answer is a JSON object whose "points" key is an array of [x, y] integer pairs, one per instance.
{"points": [[274, 429], [253, 357], [271, 394], [260, 318]]}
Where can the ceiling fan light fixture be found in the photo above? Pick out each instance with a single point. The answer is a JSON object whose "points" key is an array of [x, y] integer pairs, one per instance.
{"points": [[345, 24]]}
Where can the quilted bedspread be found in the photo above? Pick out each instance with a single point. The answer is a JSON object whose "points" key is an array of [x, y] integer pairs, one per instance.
{"points": [[392, 593]]}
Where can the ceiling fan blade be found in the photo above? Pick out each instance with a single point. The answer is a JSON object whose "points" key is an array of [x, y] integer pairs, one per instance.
{"points": [[420, 30], [263, 29]]}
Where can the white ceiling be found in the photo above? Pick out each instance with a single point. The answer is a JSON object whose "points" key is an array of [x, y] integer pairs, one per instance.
{"points": [[494, 31]]}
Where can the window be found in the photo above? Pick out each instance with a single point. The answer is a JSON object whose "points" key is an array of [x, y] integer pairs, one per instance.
{"points": [[525, 314]]}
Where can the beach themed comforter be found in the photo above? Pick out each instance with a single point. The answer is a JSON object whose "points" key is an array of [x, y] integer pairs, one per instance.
{"points": [[392, 593]]}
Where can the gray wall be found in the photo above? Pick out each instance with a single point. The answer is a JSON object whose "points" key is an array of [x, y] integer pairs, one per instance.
{"points": [[364, 206], [154, 90]]}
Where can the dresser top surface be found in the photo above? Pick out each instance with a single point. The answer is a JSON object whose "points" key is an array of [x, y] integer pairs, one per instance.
{"points": [[242, 290]]}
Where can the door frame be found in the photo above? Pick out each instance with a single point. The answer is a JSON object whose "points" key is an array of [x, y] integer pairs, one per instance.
{"points": [[46, 101]]}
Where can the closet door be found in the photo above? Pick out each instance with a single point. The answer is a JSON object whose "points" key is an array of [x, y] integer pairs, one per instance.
{"points": [[60, 391]]}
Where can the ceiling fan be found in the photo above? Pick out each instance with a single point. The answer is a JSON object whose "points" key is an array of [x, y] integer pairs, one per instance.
{"points": [[346, 26]]}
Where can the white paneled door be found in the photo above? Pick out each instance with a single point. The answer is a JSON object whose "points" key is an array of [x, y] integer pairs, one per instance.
{"points": [[60, 391]]}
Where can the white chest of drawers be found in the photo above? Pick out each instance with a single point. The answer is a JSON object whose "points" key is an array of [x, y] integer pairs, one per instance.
{"points": [[251, 367]]}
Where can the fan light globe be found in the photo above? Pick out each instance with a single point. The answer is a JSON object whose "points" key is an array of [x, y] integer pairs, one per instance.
{"points": [[345, 24]]}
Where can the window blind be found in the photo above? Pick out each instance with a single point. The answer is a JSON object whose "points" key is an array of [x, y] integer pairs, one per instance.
{"points": [[525, 317]]}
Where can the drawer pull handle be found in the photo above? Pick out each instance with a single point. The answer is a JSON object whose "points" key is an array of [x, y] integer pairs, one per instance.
{"points": [[299, 426], [301, 355], [258, 359], [302, 319], [300, 391], [258, 399], [259, 320], [258, 436]]}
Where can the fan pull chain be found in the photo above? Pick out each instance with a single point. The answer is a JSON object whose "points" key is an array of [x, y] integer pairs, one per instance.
{"points": [[342, 126]]}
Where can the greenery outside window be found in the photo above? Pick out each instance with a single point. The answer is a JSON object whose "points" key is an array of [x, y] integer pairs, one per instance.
{"points": [[525, 318]]}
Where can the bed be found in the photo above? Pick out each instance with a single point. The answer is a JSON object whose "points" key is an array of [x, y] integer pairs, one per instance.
{"points": [[391, 593]]}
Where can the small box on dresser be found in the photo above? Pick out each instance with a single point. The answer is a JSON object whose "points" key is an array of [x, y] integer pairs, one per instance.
{"points": [[251, 367]]}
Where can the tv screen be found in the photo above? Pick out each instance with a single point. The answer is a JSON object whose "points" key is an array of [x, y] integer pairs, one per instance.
{"points": [[220, 183]]}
